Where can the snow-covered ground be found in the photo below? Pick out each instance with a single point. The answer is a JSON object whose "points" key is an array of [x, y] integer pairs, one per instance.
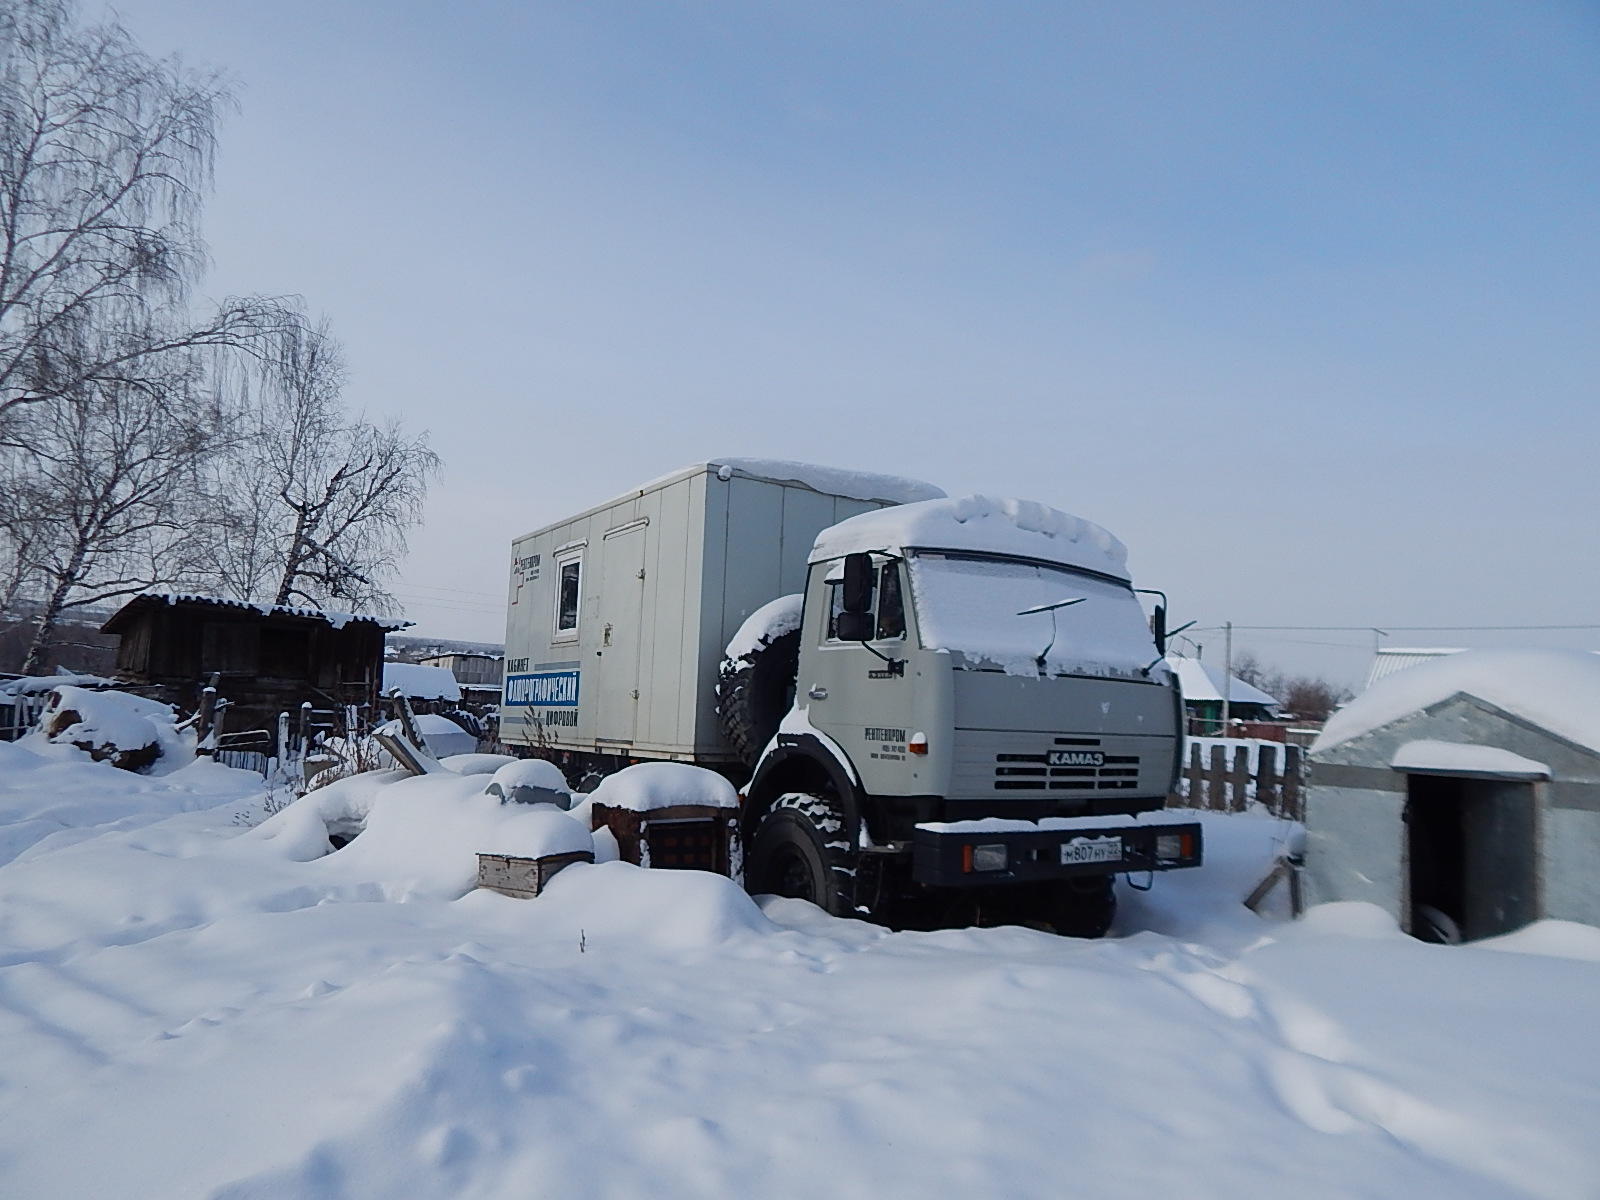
{"points": [[189, 1009]]}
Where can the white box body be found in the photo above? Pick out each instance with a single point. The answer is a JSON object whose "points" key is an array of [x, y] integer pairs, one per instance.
{"points": [[665, 577]]}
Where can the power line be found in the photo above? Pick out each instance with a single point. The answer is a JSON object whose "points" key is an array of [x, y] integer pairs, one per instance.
{"points": [[1398, 628], [434, 587]]}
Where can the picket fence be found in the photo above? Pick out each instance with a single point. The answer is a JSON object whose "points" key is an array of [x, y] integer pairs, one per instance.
{"points": [[1232, 774]]}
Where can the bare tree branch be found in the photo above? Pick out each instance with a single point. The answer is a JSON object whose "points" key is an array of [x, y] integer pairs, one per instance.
{"points": [[318, 503]]}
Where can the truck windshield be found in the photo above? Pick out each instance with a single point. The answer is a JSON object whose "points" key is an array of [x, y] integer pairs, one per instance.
{"points": [[973, 608]]}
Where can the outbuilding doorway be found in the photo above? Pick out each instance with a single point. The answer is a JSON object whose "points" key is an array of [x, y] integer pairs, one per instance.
{"points": [[1471, 856]]}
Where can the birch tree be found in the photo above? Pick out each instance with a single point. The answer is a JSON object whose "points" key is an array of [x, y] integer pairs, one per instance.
{"points": [[105, 153], [317, 502], [114, 475]]}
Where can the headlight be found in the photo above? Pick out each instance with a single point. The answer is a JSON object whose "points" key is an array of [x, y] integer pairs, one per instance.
{"points": [[989, 858], [1172, 847]]}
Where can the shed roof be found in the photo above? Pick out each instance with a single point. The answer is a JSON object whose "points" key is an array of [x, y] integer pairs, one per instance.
{"points": [[1428, 756], [1557, 690], [419, 681], [148, 600], [1389, 659]]}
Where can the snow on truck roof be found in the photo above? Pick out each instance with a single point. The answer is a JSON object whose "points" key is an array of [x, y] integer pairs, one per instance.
{"points": [[984, 524], [829, 481]]}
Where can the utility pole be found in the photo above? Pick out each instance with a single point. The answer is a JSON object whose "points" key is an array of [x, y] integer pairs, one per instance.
{"points": [[1227, 674]]}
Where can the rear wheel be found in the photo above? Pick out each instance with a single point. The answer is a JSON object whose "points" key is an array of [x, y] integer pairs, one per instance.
{"points": [[800, 850]]}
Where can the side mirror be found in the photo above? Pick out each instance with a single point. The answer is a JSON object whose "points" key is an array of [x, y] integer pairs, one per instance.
{"points": [[853, 626], [1158, 627], [857, 596]]}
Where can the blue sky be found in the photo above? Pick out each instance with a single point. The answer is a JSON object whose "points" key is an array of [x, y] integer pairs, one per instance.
{"points": [[1299, 300]]}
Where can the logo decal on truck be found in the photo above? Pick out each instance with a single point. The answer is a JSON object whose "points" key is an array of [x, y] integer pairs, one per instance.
{"points": [[543, 689], [1076, 758], [891, 743]]}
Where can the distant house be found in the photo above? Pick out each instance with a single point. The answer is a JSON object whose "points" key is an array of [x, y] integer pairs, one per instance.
{"points": [[480, 675], [1202, 696], [269, 658]]}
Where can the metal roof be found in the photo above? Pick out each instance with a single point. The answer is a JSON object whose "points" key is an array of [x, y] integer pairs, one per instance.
{"points": [[1199, 682]]}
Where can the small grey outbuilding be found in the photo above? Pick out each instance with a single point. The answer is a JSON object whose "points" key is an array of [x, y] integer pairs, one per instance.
{"points": [[1463, 795]]}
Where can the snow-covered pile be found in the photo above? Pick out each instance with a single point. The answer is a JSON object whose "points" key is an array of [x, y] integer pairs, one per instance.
{"points": [[444, 737], [531, 781], [36, 685], [765, 626], [128, 731], [1022, 528], [418, 835], [476, 764], [189, 1008], [645, 787], [52, 796], [1557, 689]]}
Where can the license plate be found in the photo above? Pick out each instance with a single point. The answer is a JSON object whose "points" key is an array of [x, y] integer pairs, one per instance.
{"points": [[1096, 850]]}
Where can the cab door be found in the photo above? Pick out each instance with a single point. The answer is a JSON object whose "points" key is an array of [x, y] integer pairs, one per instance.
{"points": [[848, 689]]}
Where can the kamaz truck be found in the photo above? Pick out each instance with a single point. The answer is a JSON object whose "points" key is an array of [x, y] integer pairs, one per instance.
{"points": [[936, 709]]}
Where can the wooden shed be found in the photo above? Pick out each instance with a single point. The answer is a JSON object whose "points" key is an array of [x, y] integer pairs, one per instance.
{"points": [[270, 658], [1463, 795]]}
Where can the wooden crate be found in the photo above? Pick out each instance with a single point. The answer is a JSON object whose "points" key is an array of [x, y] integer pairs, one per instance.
{"points": [[685, 837], [523, 878]]}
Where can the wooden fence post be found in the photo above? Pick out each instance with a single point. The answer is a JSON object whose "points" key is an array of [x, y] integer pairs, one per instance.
{"points": [[1217, 782], [1293, 779], [1269, 784], [1192, 786], [1239, 780]]}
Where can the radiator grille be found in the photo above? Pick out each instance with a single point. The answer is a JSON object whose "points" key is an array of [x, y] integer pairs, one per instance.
{"points": [[1075, 771]]}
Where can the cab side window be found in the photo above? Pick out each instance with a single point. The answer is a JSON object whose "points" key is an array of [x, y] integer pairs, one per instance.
{"points": [[888, 603], [836, 605], [891, 604]]}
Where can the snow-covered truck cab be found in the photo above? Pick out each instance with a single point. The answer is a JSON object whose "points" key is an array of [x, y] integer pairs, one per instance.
{"points": [[980, 704]]}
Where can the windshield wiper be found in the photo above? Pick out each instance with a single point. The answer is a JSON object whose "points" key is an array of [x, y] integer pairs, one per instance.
{"points": [[1050, 608]]}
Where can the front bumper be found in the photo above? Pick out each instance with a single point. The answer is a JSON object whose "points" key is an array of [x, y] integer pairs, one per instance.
{"points": [[988, 852]]}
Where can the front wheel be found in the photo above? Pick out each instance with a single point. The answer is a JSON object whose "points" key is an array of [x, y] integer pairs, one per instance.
{"points": [[1082, 908], [800, 851]]}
